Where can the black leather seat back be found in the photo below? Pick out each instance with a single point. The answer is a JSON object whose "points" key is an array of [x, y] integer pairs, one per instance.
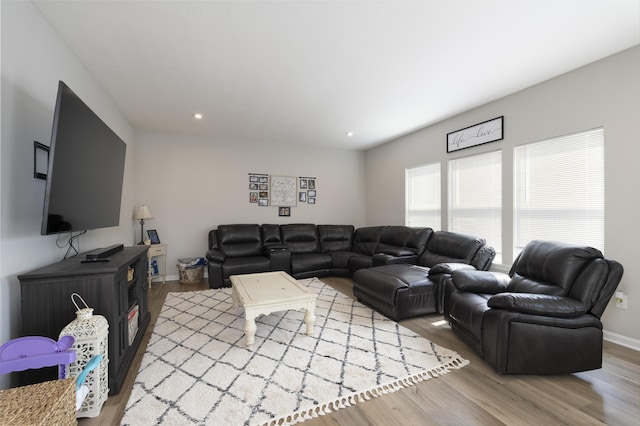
{"points": [[335, 237], [394, 237], [365, 240], [596, 284], [450, 247], [240, 240], [270, 234], [545, 267], [300, 237]]}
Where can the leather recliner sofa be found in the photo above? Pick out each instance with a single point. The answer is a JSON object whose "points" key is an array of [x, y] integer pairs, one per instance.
{"points": [[541, 318], [404, 290], [307, 250]]}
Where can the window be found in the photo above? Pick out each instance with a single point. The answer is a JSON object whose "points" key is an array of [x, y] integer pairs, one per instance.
{"points": [[422, 199], [475, 198], [559, 190]]}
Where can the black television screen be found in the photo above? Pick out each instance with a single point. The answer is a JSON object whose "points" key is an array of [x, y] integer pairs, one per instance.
{"points": [[86, 169]]}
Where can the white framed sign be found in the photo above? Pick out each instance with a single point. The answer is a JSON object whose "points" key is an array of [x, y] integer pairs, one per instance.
{"points": [[478, 134]]}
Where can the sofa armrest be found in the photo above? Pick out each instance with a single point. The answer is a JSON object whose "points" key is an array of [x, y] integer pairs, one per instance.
{"points": [[215, 255], [539, 304], [380, 259], [473, 281], [447, 268], [271, 247]]}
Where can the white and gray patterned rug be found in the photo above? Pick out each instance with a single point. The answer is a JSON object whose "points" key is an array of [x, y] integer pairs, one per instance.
{"points": [[197, 369]]}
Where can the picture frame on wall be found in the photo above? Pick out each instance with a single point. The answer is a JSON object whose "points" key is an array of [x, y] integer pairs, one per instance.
{"points": [[284, 211], [263, 202], [253, 186], [303, 184], [311, 193], [153, 236], [478, 134], [311, 200], [253, 197], [311, 184], [302, 197]]}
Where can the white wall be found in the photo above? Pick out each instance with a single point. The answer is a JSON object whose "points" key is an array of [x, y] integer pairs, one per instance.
{"points": [[605, 93], [192, 184], [33, 60]]}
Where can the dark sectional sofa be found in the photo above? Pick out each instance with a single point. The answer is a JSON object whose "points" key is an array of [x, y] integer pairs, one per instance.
{"points": [[397, 270], [306, 250]]}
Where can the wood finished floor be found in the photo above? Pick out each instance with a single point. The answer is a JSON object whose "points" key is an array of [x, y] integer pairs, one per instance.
{"points": [[474, 395]]}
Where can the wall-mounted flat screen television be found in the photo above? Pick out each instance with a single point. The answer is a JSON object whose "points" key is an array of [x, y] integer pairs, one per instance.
{"points": [[85, 171]]}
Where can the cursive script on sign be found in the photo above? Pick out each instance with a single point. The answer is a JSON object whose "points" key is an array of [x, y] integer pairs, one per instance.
{"points": [[488, 131]]}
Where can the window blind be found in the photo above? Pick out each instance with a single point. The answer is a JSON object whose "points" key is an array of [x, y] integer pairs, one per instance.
{"points": [[559, 190], [475, 198], [422, 196]]}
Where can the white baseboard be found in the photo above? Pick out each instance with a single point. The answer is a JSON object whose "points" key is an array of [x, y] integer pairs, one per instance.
{"points": [[621, 340]]}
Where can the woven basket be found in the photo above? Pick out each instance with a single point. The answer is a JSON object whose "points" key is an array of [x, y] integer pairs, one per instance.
{"points": [[48, 403]]}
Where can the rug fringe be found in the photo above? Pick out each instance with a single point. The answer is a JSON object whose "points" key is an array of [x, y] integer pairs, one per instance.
{"points": [[362, 396]]}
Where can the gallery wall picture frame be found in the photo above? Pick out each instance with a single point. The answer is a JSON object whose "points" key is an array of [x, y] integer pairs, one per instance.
{"points": [[263, 202], [40, 160], [303, 183], [478, 134], [153, 236], [311, 184], [284, 190], [253, 197], [311, 193], [302, 197], [311, 200], [284, 211]]}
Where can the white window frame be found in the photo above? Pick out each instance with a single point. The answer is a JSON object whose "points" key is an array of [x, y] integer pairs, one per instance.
{"points": [[475, 197], [423, 194], [559, 188]]}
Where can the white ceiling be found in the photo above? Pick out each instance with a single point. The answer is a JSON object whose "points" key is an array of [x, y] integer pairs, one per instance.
{"points": [[308, 71]]}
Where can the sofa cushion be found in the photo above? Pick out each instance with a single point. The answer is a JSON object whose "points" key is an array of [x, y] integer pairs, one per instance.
{"points": [[308, 262], [245, 265], [300, 237], [270, 234], [365, 240], [450, 247], [335, 237], [549, 268], [402, 240], [359, 261], [240, 240]]}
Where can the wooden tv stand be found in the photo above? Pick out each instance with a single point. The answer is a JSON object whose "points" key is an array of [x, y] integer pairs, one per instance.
{"points": [[47, 307]]}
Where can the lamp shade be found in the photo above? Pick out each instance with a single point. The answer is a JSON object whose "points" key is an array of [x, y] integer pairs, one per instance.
{"points": [[142, 212]]}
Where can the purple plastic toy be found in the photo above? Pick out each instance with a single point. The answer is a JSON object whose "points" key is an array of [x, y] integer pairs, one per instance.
{"points": [[28, 352]]}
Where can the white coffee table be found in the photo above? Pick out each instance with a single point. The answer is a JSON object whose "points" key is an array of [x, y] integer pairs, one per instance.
{"points": [[267, 292]]}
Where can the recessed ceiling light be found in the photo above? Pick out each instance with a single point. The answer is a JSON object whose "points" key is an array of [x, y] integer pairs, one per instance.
{"points": [[349, 134], [197, 116]]}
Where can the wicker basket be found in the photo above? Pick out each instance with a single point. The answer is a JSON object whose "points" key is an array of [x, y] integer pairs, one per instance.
{"points": [[48, 403], [191, 275]]}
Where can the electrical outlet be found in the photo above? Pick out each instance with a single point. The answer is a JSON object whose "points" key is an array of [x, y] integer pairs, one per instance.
{"points": [[621, 300]]}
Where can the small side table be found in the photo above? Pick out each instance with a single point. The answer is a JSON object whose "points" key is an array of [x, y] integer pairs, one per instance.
{"points": [[157, 250]]}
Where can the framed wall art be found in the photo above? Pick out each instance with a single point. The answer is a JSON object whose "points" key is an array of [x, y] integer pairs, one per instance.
{"points": [[478, 134], [284, 211], [284, 190]]}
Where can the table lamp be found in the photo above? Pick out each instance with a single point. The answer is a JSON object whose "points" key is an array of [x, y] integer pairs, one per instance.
{"points": [[142, 213]]}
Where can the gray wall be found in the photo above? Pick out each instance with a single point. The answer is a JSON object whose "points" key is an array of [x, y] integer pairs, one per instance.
{"points": [[33, 60], [192, 184], [605, 93]]}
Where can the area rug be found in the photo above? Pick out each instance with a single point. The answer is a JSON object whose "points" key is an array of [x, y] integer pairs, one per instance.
{"points": [[198, 370]]}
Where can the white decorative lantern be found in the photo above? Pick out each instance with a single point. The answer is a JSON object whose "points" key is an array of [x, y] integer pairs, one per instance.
{"points": [[91, 333]]}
